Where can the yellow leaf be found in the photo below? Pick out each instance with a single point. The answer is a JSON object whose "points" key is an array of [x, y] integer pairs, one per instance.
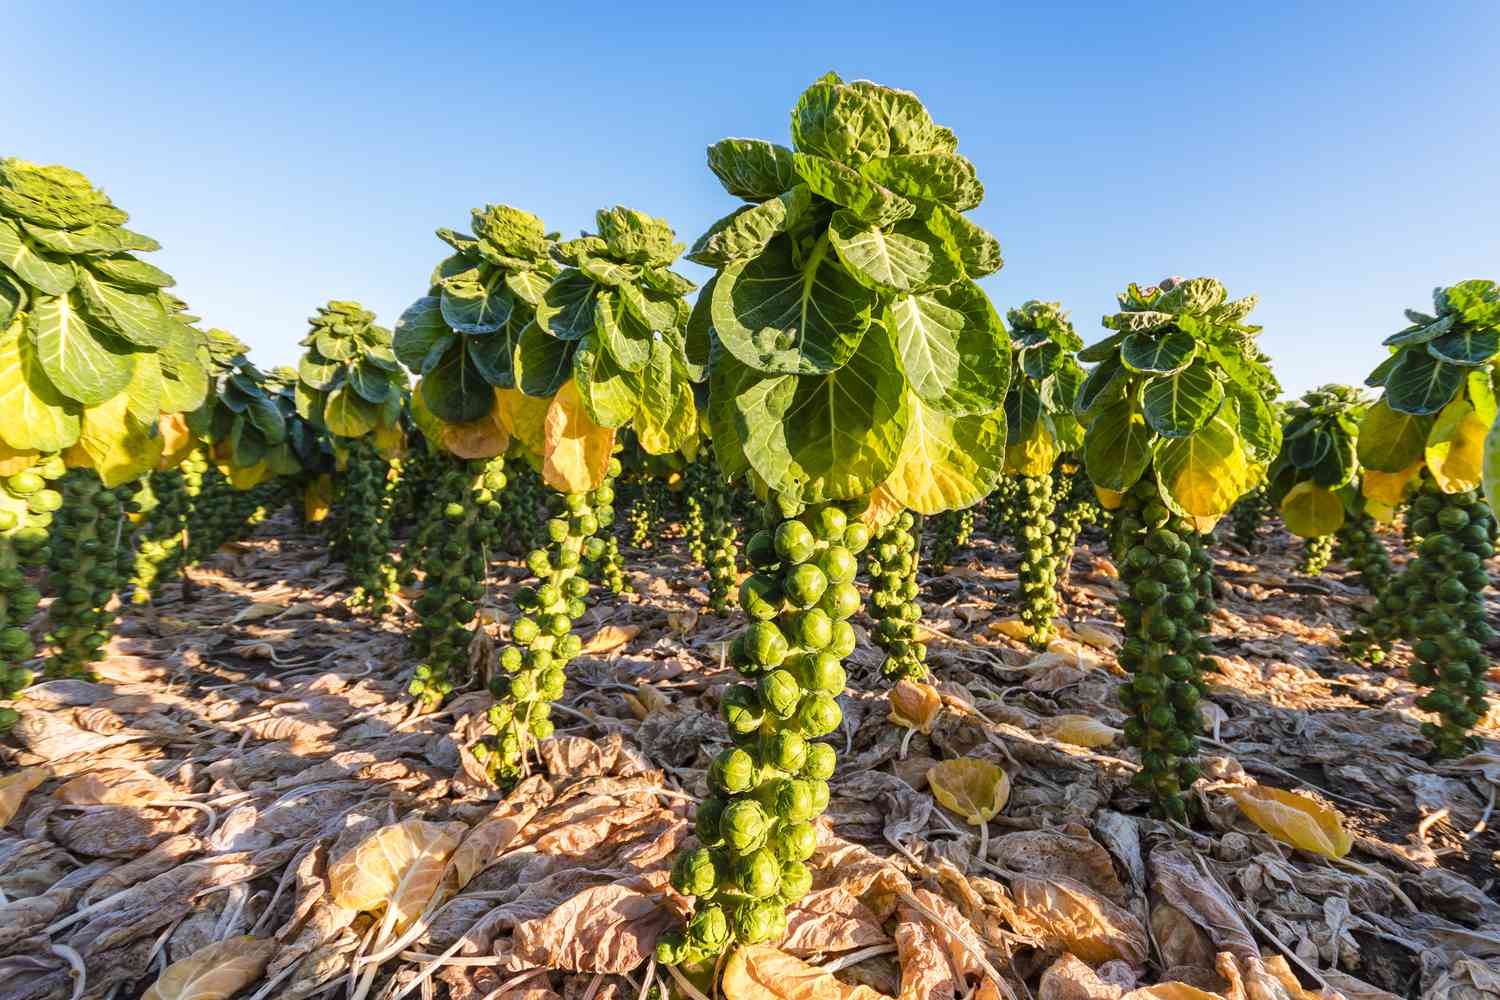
{"points": [[575, 449], [255, 612], [214, 972], [177, 441], [1389, 488], [883, 507], [914, 705], [523, 417], [245, 477], [390, 441], [1080, 731], [1012, 628], [975, 789], [115, 444], [13, 789], [1033, 455], [1383, 513], [1492, 466], [610, 638], [1295, 819], [1311, 511], [317, 498], [1109, 499], [761, 972], [396, 867], [1455, 447], [482, 438]]}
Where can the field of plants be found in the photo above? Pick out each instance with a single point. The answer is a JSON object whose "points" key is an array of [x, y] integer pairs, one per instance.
{"points": [[824, 632]]}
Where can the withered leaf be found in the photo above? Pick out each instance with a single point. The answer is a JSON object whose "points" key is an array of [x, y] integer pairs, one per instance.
{"points": [[213, 973], [13, 789], [761, 972], [397, 866], [1295, 819], [975, 789]]}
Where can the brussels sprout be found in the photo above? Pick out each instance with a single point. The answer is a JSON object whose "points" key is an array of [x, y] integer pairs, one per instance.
{"points": [[758, 920], [744, 825], [733, 771], [780, 693], [696, 873], [794, 542], [709, 928], [787, 751], [742, 709], [758, 874], [795, 881]]}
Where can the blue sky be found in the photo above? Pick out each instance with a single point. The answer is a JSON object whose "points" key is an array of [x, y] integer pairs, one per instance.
{"points": [[1337, 159]]}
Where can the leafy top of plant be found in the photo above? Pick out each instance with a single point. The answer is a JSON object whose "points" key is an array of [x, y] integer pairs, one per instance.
{"points": [[1045, 377], [349, 381]]}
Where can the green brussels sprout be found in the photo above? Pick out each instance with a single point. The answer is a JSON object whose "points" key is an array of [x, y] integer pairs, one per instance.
{"points": [[818, 715], [706, 821], [795, 880], [696, 873], [733, 771], [794, 841], [761, 597], [758, 874], [780, 693], [743, 825], [794, 542], [765, 646], [786, 751], [742, 709], [805, 585], [709, 928], [758, 920]]}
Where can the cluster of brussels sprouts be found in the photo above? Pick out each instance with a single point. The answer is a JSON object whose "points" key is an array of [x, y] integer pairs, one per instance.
{"points": [[1445, 612], [1167, 573], [609, 569], [1072, 511], [1317, 553], [1037, 572], [647, 510], [449, 549], [521, 507], [892, 565], [160, 540], [1360, 546], [1000, 511], [417, 469], [366, 541], [28, 505], [755, 830], [533, 668], [723, 563], [90, 561], [1246, 516], [947, 533], [694, 497], [216, 518]]}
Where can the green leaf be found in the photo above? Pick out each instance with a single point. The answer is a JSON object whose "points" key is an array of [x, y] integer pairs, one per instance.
{"points": [[528, 286], [846, 186], [1205, 473], [666, 418], [1116, 447], [1177, 405], [699, 334], [566, 311], [781, 317], [77, 361], [1103, 382], [1337, 466], [143, 395], [494, 353], [88, 239], [947, 179], [728, 380], [139, 319], [839, 122], [953, 348], [1307, 450], [610, 394], [620, 333], [370, 382], [51, 277], [976, 248], [1158, 354], [947, 462], [751, 168], [1257, 425], [906, 257], [267, 418], [1311, 511], [1391, 441], [127, 270], [1421, 384], [419, 329], [609, 272], [654, 310], [1421, 333], [1041, 360], [543, 363], [1466, 346], [12, 299], [454, 390], [828, 437], [37, 416], [319, 373], [1102, 350], [477, 306], [747, 231]]}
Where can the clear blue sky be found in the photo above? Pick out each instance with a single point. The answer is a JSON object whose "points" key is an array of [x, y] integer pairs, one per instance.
{"points": [[1338, 159]]}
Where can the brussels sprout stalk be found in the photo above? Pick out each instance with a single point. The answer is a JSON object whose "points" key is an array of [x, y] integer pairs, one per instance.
{"points": [[755, 830], [892, 564], [90, 560], [1248, 514], [28, 505], [719, 539], [1038, 570], [163, 534], [1317, 553]]}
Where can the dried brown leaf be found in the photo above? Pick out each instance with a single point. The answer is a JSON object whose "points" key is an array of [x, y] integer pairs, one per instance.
{"points": [[14, 787], [1080, 731], [605, 929], [915, 705], [761, 972], [215, 972], [398, 866], [1080, 920], [610, 638], [116, 786]]}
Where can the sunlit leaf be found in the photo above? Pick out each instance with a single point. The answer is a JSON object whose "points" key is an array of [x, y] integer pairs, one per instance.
{"points": [[1295, 819], [215, 971], [975, 789]]}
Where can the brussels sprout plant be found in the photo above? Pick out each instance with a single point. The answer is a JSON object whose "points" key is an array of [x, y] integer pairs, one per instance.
{"points": [[1427, 431], [1315, 479], [1178, 428], [849, 356]]}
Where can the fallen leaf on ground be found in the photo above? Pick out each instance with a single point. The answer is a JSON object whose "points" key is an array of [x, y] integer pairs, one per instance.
{"points": [[13, 789], [975, 789], [761, 972], [220, 970], [914, 705], [1295, 819], [1080, 731], [397, 866], [610, 638]]}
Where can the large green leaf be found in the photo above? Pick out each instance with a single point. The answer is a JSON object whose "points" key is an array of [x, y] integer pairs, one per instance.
{"points": [[828, 437], [77, 360], [1257, 424], [419, 329], [1158, 354], [976, 248], [840, 122], [567, 308], [654, 310], [752, 169], [1307, 450], [1177, 405], [371, 382], [698, 335], [494, 353], [910, 126], [335, 346], [37, 416], [1101, 385], [666, 418], [1421, 333], [905, 257], [455, 391], [528, 286], [1421, 384], [140, 319], [127, 270], [947, 462], [143, 394], [610, 394], [543, 363], [945, 178], [728, 380], [1205, 473], [1391, 441], [1466, 346], [347, 415], [52, 277], [319, 373], [845, 186], [267, 418], [620, 333], [746, 232], [12, 299], [953, 348], [478, 305], [89, 239], [781, 317], [1116, 447]]}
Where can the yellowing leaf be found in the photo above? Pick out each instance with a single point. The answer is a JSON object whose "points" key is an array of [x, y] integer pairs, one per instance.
{"points": [[396, 867], [1389, 488], [610, 638], [523, 417], [177, 441], [1207, 471], [13, 461], [245, 477], [946, 462], [1034, 454], [1492, 466], [13, 789], [1383, 513], [914, 705], [214, 972], [1011, 628], [883, 507], [1311, 511], [482, 438], [1080, 731], [975, 789], [115, 444], [575, 453], [390, 441], [317, 498], [1295, 819], [761, 972], [1109, 499], [1455, 447]]}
